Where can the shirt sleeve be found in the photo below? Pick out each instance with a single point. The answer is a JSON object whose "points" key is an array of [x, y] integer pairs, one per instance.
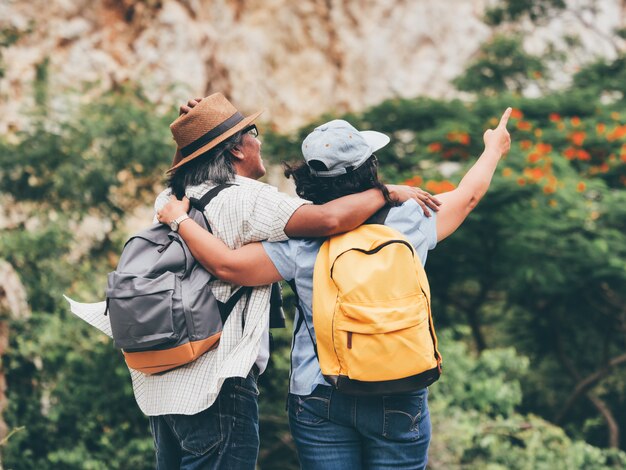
{"points": [[283, 255], [428, 226], [410, 220], [160, 201], [270, 213]]}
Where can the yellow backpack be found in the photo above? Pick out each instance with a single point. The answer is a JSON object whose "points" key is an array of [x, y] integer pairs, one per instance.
{"points": [[371, 314]]}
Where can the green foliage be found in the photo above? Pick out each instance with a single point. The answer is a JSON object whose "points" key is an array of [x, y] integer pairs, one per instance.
{"points": [[502, 65], [514, 11], [604, 75], [107, 158], [69, 389], [72, 392], [475, 425]]}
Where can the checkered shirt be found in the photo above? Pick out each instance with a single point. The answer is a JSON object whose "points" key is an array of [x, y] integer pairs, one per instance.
{"points": [[249, 212]]}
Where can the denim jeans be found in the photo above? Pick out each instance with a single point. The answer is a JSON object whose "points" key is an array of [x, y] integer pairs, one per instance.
{"points": [[342, 432], [224, 436]]}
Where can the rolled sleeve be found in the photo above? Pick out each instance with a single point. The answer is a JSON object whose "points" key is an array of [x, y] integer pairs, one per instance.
{"points": [[271, 213], [161, 200]]}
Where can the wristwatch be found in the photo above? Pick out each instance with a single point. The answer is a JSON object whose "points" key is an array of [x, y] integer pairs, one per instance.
{"points": [[174, 224]]}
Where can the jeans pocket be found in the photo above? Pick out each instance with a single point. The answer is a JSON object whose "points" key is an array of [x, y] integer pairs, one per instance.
{"points": [[403, 415], [310, 409], [197, 434], [247, 385]]}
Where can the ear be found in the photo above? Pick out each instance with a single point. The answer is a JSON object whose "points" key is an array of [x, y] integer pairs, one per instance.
{"points": [[237, 153]]}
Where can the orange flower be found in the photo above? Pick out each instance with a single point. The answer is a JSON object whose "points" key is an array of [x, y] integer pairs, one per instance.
{"points": [[534, 157], [552, 203], [543, 148], [446, 186], [461, 137], [622, 157], [525, 144], [524, 125], [549, 189], [575, 121], [516, 114], [578, 138], [507, 172], [538, 132], [554, 117], [580, 187], [435, 147], [569, 153], [438, 187], [583, 155], [600, 128], [521, 181], [604, 167], [617, 133], [431, 186], [536, 74], [615, 116], [533, 173], [414, 181]]}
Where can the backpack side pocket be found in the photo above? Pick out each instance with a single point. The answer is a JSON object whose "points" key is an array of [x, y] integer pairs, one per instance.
{"points": [[142, 310]]}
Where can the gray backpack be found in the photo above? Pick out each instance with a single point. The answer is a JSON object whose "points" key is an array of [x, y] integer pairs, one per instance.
{"points": [[163, 313]]}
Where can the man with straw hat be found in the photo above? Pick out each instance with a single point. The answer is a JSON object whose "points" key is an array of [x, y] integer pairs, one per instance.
{"points": [[205, 414]]}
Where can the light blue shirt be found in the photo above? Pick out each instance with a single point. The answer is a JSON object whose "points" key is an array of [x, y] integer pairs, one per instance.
{"points": [[295, 259]]}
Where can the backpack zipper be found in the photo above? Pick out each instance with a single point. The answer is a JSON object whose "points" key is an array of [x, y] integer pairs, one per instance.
{"points": [[349, 340]]}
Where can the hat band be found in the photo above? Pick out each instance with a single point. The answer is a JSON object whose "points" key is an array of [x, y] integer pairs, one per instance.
{"points": [[212, 134]]}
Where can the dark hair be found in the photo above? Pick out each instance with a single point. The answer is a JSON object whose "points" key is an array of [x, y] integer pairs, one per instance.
{"points": [[215, 165], [320, 190]]}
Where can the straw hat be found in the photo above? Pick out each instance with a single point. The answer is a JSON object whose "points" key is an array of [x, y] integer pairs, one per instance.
{"points": [[209, 123]]}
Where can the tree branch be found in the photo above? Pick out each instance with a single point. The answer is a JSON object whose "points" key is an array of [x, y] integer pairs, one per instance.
{"points": [[587, 384]]}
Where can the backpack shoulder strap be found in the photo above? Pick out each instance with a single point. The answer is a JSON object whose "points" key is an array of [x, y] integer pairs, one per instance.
{"points": [[379, 217], [200, 204], [301, 317], [227, 307]]}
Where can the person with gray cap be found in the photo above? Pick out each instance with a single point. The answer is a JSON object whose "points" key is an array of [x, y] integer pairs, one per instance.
{"points": [[205, 414], [332, 429]]}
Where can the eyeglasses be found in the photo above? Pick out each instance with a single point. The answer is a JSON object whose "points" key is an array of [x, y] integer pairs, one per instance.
{"points": [[252, 130]]}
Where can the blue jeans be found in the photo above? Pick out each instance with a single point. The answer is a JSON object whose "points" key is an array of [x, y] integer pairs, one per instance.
{"points": [[342, 432], [224, 436]]}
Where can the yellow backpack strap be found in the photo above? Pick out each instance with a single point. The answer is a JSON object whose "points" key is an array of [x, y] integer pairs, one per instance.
{"points": [[423, 280]]}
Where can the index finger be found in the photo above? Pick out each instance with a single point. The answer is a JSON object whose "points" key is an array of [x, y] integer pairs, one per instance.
{"points": [[505, 118]]}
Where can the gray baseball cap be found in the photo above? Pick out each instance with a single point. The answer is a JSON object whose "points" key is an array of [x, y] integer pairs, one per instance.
{"points": [[337, 148]]}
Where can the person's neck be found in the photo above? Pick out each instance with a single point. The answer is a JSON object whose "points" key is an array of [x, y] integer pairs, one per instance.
{"points": [[242, 172]]}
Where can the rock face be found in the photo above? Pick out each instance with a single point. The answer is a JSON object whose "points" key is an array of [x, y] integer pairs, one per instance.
{"points": [[296, 59]]}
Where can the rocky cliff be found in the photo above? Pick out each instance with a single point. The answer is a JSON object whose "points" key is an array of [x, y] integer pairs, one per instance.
{"points": [[296, 59]]}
